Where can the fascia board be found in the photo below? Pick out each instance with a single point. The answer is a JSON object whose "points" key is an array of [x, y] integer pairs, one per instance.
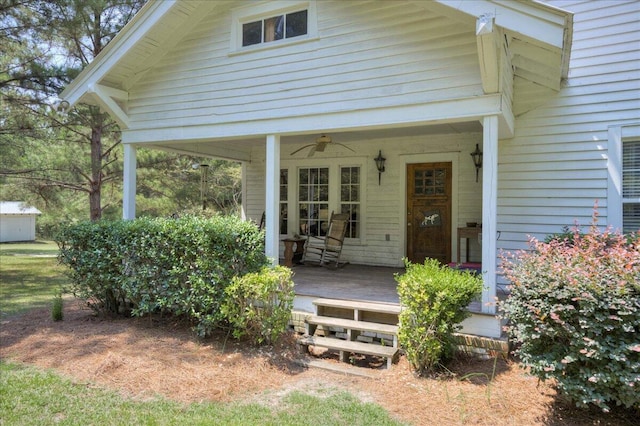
{"points": [[533, 20]]}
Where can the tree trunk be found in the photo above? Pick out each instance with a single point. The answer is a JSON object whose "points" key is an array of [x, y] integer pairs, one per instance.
{"points": [[95, 209]]}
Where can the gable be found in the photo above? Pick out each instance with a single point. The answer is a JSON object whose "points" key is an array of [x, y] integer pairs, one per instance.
{"points": [[390, 55], [369, 54]]}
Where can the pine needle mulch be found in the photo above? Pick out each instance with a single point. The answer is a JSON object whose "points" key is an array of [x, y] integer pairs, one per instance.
{"points": [[149, 357]]}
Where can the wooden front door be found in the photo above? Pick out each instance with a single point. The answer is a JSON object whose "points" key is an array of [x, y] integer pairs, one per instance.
{"points": [[429, 212]]}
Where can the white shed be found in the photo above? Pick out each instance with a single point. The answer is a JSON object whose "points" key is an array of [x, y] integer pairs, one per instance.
{"points": [[17, 221]]}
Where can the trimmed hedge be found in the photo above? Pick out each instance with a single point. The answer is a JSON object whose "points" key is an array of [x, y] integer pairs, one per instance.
{"points": [[434, 299], [574, 313], [258, 305], [178, 266]]}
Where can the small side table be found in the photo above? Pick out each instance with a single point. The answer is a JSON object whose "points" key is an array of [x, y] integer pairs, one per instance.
{"points": [[467, 233], [289, 252]]}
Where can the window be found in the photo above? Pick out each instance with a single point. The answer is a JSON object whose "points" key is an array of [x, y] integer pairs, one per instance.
{"points": [[631, 186], [350, 199], [278, 27], [322, 190], [284, 205], [265, 24], [313, 200]]}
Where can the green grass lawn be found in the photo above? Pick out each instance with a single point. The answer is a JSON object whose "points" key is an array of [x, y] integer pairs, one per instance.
{"points": [[36, 248], [29, 396], [29, 276]]}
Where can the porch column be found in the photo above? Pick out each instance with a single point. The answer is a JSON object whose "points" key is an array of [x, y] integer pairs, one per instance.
{"points": [[272, 198], [129, 183], [489, 211]]}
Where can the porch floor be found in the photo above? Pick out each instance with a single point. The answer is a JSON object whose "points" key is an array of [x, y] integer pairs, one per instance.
{"points": [[351, 282]]}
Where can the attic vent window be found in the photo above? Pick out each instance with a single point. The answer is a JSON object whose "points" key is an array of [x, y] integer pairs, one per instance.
{"points": [[274, 28]]}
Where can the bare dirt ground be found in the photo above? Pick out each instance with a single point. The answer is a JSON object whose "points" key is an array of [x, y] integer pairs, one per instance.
{"points": [[146, 358]]}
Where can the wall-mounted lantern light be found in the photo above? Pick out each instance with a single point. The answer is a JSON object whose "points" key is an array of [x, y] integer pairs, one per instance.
{"points": [[380, 164], [477, 160]]}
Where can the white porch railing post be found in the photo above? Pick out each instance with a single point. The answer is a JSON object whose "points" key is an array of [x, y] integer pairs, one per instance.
{"points": [[489, 211], [129, 183], [272, 198]]}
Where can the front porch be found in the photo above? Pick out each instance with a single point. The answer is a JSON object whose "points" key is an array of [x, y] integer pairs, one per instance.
{"points": [[371, 284]]}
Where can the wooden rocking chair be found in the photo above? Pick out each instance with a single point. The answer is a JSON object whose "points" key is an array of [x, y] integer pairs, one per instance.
{"points": [[326, 251]]}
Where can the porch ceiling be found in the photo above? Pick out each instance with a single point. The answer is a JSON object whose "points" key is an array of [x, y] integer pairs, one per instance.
{"points": [[239, 149]]}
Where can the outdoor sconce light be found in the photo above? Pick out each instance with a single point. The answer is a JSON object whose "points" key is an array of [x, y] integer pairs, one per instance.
{"points": [[380, 164], [61, 107], [477, 160]]}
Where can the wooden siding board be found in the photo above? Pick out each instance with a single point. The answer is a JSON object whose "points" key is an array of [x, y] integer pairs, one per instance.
{"points": [[576, 175], [528, 218], [523, 185]]}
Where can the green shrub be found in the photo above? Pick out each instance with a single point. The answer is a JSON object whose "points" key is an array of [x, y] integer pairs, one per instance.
{"points": [[176, 266], [57, 313], [93, 253], [574, 313], [258, 305], [434, 301]]}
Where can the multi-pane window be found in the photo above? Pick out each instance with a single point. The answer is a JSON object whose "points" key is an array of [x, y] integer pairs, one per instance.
{"points": [[284, 205], [274, 28], [350, 199], [313, 200], [631, 186]]}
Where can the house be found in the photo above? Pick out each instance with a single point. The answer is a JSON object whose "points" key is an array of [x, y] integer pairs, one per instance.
{"points": [[17, 221], [307, 95]]}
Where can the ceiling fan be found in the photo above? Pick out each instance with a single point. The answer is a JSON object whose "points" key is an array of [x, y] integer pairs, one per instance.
{"points": [[319, 146]]}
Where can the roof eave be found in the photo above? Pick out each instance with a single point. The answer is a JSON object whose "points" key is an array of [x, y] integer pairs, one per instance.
{"points": [[135, 29]]}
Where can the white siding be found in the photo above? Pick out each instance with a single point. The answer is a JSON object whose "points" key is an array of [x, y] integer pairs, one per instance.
{"points": [[383, 206], [367, 55], [555, 168]]}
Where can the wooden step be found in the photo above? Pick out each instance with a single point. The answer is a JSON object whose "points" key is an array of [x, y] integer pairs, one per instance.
{"points": [[383, 308], [354, 325], [387, 352]]}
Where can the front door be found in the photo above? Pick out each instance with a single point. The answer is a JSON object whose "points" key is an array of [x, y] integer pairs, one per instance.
{"points": [[429, 212]]}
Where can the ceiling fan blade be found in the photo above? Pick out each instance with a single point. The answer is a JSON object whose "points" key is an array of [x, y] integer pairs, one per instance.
{"points": [[320, 146], [312, 151], [300, 149], [345, 146]]}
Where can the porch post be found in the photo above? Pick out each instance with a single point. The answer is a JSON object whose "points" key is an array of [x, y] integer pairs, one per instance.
{"points": [[489, 211], [272, 198], [129, 183]]}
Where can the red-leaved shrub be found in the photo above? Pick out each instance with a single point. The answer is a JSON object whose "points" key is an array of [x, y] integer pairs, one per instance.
{"points": [[574, 314]]}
